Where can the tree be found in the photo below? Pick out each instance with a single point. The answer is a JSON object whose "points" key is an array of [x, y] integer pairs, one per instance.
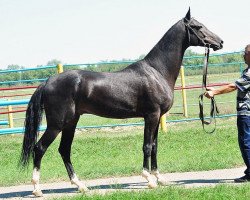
{"points": [[54, 62], [14, 67]]}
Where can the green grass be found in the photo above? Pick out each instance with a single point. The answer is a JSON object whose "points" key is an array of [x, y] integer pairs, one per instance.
{"points": [[118, 152], [220, 192]]}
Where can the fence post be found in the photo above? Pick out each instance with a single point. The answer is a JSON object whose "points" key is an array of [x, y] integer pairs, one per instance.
{"points": [[163, 123], [241, 70], [183, 90], [10, 117], [59, 68]]}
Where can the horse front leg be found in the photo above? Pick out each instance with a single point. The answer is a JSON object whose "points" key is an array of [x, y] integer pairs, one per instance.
{"points": [[154, 168], [151, 125]]}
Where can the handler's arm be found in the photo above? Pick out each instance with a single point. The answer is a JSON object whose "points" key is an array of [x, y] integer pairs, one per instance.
{"points": [[222, 90]]}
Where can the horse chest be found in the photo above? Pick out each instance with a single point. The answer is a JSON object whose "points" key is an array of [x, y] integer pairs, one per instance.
{"points": [[159, 91]]}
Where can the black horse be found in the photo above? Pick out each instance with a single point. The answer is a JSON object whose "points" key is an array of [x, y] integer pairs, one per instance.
{"points": [[143, 89]]}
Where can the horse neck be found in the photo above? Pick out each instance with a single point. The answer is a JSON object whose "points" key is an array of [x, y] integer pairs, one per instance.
{"points": [[166, 57]]}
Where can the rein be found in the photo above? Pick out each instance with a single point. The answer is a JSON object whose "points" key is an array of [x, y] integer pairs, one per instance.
{"points": [[213, 109]]}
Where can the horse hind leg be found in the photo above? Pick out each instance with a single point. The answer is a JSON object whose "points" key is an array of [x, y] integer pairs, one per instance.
{"points": [[65, 151], [39, 151]]}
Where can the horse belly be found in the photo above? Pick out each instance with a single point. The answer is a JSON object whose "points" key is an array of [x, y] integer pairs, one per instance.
{"points": [[110, 106]]}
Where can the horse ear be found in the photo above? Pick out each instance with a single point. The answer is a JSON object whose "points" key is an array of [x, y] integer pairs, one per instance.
{"points": [[188, 15]]}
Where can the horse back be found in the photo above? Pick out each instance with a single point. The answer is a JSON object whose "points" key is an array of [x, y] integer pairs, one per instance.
{"points": [[114, 95], [127, 93]]}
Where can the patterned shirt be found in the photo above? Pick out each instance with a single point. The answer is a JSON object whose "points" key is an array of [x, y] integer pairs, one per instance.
{"points": [[243, 94]]}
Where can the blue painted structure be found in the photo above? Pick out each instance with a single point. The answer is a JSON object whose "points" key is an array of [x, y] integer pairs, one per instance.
{"points": [[25, 101], [42, 128], [14, 102]]}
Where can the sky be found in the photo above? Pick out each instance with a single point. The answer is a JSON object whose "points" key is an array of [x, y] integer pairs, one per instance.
{"points": [[34, 32]]}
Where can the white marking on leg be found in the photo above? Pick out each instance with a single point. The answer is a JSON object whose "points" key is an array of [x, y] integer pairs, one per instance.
{"points": [[159, 177], [35, 180], [81, 187], [151, 182]]}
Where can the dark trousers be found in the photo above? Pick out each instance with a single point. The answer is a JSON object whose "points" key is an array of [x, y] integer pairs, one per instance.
{"points": [[243, 124]]}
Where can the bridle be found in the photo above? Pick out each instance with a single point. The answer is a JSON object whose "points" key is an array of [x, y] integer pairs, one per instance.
{"points": [[213, 109], [189, 28]]}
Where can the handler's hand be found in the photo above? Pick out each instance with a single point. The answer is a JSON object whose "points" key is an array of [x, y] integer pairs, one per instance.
{"points": [[209, 93]]}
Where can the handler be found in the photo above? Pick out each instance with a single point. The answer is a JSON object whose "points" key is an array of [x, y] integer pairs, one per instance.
{"points": [[243, 111]]}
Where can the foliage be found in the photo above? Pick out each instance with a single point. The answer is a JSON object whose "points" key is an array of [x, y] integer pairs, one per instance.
{"points": [[54, 62], [110, 67], [32, 75], [193, 66], [218, 64]]}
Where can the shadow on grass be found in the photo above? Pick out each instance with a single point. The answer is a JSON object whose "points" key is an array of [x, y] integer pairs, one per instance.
{"points": [[138, 186], [28, 193], [202, 181]]}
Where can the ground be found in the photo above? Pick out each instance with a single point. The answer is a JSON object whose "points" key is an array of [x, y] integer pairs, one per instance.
{"points": [[186, 179]]}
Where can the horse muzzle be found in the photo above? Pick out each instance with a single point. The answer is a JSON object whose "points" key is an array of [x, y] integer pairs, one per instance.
{"points": [[214, 44]]}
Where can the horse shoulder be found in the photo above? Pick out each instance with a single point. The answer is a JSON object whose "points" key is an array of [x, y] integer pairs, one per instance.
{"points": [[156, 89]]}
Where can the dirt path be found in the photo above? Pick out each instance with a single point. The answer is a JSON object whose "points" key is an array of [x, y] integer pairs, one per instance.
{"points": [[187, 179]]}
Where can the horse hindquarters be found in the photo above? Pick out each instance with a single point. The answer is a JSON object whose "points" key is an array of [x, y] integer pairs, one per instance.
{"points": [[54, 126], [60, 114]]}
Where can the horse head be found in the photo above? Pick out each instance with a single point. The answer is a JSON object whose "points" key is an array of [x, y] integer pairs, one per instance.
{"points": [[199, 35]]}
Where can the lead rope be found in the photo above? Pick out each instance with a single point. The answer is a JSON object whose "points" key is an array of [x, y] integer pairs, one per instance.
{"points": [[214, 109]]}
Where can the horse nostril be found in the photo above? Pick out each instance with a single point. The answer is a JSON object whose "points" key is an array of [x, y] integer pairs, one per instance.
{"points": [[222, 41]]}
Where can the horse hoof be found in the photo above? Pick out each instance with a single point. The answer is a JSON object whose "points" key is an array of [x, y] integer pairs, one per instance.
{"points": [[83, 189], [162, 182], [152, 185], [37, 193]]}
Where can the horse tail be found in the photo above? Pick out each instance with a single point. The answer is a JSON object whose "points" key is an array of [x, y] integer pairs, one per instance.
{"points": [[32, 122]]}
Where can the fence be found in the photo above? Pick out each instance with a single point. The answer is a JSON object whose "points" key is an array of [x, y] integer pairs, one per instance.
{"points": [[183, 87]]}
